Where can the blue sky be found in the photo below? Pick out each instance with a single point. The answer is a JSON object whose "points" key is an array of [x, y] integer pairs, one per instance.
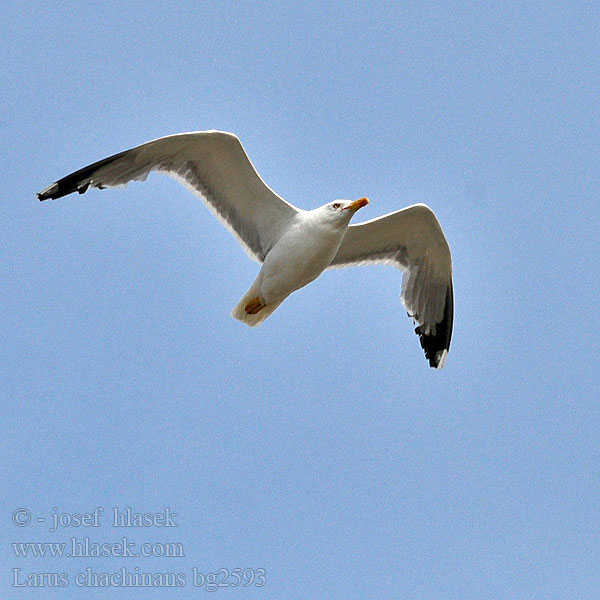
{"points": [[320, 446]]}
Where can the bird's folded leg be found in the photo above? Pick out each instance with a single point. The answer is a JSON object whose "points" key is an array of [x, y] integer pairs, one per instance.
{"points": [[254, 306]]}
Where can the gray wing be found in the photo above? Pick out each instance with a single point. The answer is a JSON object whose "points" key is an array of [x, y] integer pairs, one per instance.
{"points": [[214, 165], [413, 241]]}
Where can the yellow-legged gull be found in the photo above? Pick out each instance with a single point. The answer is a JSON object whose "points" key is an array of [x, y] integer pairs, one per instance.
{"points": [[294, 246]]}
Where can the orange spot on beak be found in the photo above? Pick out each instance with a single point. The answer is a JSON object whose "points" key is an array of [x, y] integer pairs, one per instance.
{"points": [[357, 204]]}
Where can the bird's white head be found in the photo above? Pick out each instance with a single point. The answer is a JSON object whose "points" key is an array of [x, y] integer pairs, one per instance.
{"points": [[340, 211]]}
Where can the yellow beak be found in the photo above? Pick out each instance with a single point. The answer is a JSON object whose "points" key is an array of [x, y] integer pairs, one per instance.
{"points": [[357, 204]]}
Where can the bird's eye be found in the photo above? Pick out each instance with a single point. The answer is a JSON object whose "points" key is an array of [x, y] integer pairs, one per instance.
{"points": [[336, 205]]}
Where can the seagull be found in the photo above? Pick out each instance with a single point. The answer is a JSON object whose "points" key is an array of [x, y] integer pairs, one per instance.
{"points": [[293, 245]]}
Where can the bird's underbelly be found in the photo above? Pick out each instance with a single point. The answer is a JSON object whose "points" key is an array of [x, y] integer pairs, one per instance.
{"points": [[289, 267]]}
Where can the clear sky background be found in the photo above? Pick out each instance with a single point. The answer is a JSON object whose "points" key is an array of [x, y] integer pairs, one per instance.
{"points": [[320, 446]]}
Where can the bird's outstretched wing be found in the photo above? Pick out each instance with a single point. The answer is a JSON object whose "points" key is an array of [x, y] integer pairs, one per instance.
{"points": [[412, 240], [214, 165]]}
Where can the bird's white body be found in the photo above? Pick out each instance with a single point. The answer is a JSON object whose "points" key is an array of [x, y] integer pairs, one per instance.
{"points": [[294, 246], [304, 251], [301, 254]]}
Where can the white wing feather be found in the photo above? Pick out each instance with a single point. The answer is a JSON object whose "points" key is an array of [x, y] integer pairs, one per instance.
{"points": [[212, 164], [413, 241]]}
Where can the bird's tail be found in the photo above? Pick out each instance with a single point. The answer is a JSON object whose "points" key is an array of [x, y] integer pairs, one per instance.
{"points": [[250, 309]]}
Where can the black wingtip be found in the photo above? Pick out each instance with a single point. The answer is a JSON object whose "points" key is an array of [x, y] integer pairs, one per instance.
{"points": [[436, 346], [48, 193], [79, 181], [62, 187]]}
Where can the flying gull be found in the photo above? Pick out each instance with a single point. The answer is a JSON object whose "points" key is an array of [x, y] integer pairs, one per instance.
{"points": [[294, 246]]}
